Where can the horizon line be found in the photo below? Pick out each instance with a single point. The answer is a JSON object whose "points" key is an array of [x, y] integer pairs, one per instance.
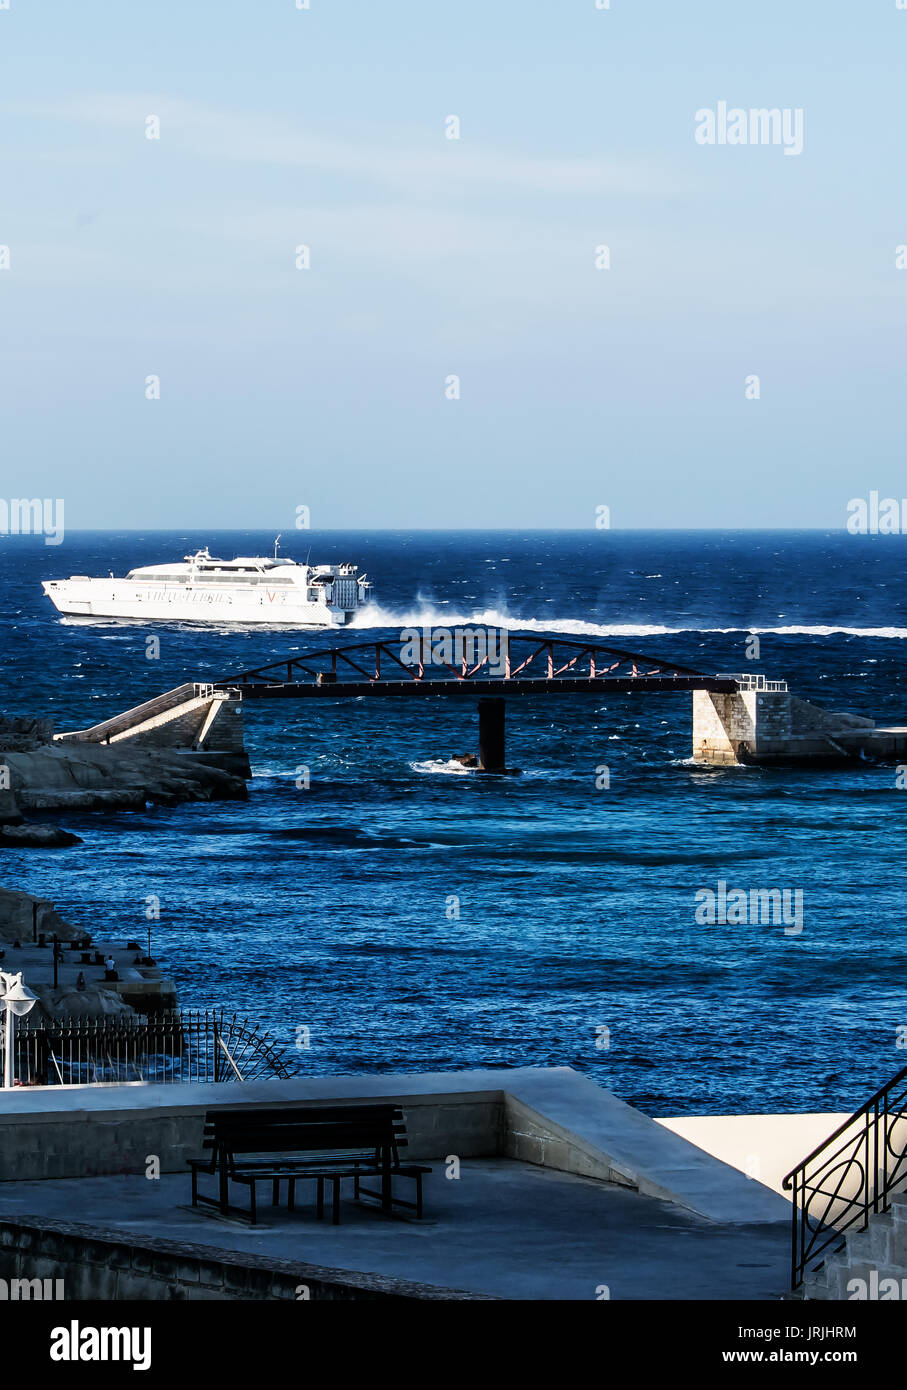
{"points": [[447, 530]]}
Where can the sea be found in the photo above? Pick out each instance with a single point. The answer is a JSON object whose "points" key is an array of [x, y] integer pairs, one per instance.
{"points": [[401, 913]]}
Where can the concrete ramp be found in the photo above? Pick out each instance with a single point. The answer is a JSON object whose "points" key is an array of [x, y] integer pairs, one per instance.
{"points": [[180, 718], [563, 1119]]}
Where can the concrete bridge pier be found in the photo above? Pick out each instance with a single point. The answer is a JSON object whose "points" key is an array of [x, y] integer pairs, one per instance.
{"points": [[492, 736], [761, 722]]}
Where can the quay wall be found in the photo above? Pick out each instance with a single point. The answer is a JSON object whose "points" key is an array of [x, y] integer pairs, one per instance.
{"points": [[98, 1263]]}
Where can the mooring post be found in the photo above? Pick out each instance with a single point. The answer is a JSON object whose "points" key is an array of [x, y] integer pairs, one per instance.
{"points": [[491, 736]]}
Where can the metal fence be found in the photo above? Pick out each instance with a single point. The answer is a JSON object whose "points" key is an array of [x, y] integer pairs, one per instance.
{"points": [[850, 1177], [189, 1045]]}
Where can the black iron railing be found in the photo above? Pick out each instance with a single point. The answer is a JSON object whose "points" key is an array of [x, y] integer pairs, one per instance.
{"points": [[190, 1045], [849, 1177]]}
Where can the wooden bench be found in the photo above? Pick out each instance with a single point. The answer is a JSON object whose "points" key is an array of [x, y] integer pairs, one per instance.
{"points": [[319, 1143]]}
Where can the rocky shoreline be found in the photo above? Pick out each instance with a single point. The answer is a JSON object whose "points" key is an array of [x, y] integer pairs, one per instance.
{"points": [[43, 775], [39, 774]]}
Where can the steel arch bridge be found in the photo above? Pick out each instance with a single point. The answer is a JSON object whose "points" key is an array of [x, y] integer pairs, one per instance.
{"points": [[469, 661], [490, 664]]}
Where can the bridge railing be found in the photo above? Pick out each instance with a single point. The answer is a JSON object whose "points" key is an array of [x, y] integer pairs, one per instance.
{"points": [[747, 680]]}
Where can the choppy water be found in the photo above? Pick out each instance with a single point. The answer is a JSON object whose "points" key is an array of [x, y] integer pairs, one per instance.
{"points": [[331, 908]]}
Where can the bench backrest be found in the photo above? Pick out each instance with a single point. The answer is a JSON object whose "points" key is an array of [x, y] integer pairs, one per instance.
{"points": [[351, 1131]]}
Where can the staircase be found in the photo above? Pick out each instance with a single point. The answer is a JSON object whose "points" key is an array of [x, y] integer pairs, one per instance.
{"points": [[849, 1199], [191, 699], [870, 1264]]}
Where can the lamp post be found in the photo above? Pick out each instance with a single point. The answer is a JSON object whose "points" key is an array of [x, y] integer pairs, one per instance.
{"points": [[18, 1001]]}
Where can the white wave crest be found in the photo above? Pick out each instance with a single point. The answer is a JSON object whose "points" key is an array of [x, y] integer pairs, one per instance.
{"points": [[428, 614], [442, 765]]}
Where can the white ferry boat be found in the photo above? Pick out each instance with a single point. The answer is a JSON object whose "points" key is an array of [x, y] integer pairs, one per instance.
{"points": [[204, 588]]}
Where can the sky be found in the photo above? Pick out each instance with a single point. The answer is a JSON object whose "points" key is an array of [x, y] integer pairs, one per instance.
{"points": [[432, 258]]}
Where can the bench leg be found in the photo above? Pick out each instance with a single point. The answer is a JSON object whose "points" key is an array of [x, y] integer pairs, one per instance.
{"points": [[291, 1194], [386, 1191], [335, 1201], [275, 1193], [319, 1207], [194, 1188]]}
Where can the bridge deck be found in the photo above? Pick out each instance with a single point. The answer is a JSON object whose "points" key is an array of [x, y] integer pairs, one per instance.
{"points": [[486, 687]]}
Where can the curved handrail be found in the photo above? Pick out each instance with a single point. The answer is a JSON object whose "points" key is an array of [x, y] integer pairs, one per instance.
{"points": [[863, 1110], [863, 1145]]}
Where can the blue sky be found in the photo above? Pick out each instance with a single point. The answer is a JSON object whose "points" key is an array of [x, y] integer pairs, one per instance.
{"points": [[430, 257]]}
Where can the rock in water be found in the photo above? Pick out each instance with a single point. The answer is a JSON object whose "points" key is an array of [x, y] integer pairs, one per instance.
{"points": [[97, 777], [37, 836]]}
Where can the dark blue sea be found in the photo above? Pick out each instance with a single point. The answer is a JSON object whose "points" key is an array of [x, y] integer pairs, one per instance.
{"points": [[327, 909]]}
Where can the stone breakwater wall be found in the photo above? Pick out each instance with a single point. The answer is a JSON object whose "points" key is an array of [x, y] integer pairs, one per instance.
{"points": [[97, 1263], [17, 916]]}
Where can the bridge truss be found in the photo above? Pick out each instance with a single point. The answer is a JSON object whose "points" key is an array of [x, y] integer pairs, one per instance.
{"points": [[480, 662]]}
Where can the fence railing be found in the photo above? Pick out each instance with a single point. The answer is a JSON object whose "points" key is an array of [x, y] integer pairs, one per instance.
{"points": [[850, 1176], [747, 680], [184, 1046]]}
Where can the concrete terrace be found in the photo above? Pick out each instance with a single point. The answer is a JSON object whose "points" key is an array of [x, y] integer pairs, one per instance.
{"points": [[503, 1228], [563, 1189]]}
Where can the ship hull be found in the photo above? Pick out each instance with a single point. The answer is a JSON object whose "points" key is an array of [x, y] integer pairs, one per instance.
{"points": [[91, 598]]}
